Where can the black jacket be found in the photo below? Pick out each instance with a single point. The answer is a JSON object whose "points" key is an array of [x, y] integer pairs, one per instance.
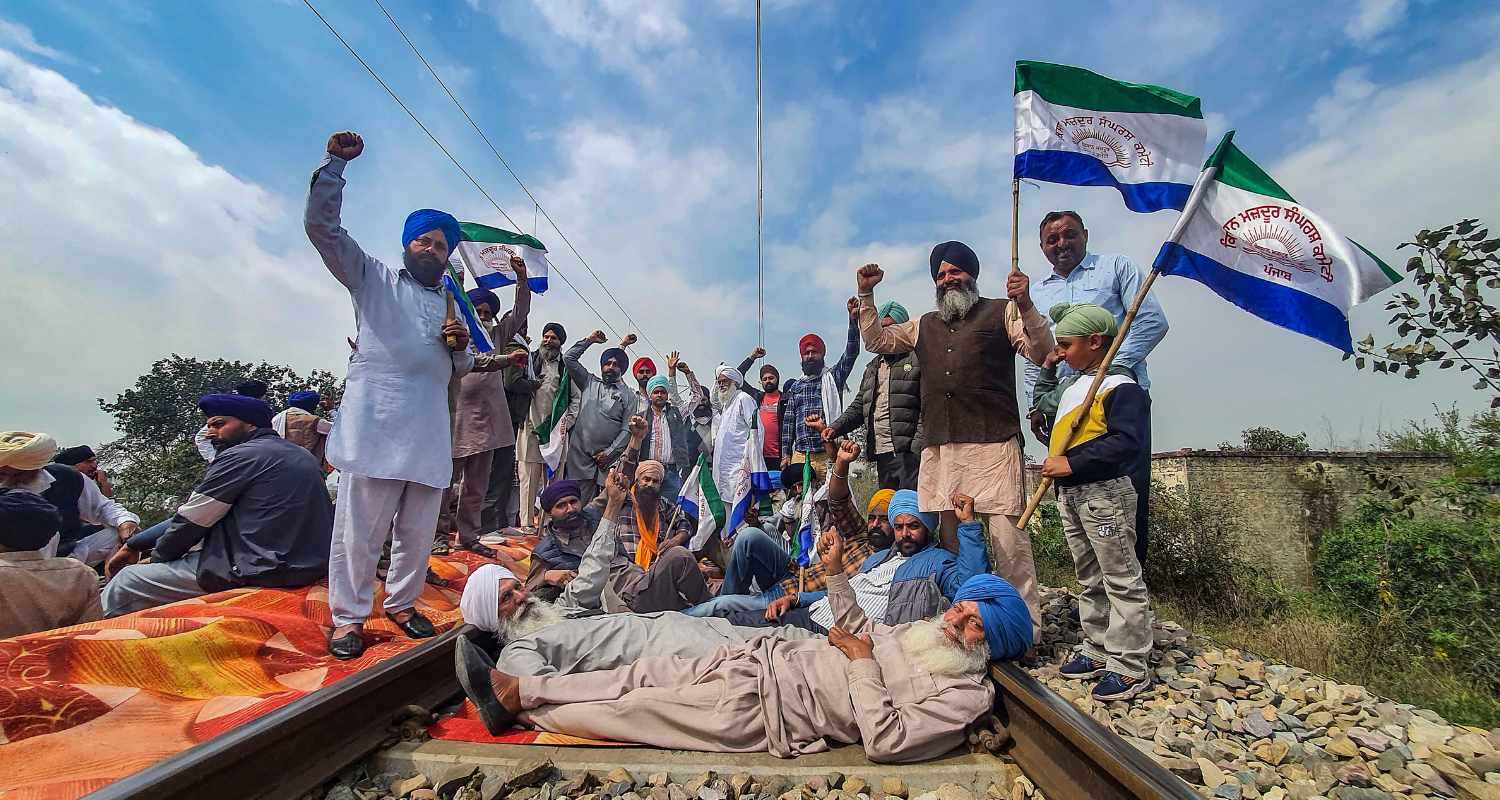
{"points": [[905, 402], [262, 513], [677, 429]]}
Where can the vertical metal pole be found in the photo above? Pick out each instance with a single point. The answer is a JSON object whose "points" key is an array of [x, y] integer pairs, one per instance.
{"points": [[760, 190]]}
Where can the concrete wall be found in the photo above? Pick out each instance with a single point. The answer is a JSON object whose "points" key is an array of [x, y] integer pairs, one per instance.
{"points": [[1285, 500]]}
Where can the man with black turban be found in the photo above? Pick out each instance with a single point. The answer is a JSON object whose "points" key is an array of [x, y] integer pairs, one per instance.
{"points": [[37, 592], [86, 461], [971, 418], [391, 442], [261, 514], [544, 431], [606, 405]]}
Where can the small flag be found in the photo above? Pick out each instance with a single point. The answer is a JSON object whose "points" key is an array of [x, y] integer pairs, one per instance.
{"points": [[748, 480], [479, 338], [1255, 246], [1077, 127], [485, 252], [809, 518], [699, 498]]}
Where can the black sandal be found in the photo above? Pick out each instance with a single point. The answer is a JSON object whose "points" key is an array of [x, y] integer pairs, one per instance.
{"points": [[416, 626]]}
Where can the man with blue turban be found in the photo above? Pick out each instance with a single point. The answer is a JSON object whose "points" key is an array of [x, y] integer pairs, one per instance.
{"points": [[300, 424], [906, 692], [391, 442], [888, 408]]}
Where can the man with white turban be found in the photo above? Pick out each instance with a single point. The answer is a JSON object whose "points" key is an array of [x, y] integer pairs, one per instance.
{"points": [[737, 417], [391, 441], [25, 466]]}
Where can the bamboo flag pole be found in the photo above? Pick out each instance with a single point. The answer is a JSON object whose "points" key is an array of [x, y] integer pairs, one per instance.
{"points": [[1195, 198]]}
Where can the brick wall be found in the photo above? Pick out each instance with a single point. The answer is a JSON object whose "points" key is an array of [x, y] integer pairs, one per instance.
{"points": [[1284, 499]]}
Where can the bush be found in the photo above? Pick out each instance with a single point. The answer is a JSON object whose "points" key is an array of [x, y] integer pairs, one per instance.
{"points": [[1430, 585]]}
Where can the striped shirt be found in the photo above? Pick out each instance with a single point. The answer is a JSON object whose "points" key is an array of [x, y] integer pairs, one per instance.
{"points": [[872, 592]]}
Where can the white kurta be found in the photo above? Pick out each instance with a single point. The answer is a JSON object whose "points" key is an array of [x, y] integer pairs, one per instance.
{"points": [[731, 439], [393, 422]]}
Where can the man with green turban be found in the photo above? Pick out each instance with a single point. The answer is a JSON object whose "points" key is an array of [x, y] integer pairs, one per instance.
{"points": [[888, 406]]}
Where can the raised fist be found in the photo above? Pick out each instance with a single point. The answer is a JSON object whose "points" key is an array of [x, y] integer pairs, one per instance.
{"points": [[346, 145], [598, 337], [868, 276]]}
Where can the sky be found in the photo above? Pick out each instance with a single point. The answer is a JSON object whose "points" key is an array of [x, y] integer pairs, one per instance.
{"points": [[154, 160]]}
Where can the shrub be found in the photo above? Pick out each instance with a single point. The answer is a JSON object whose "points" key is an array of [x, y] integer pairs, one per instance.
{"points": [[1430, 584]]}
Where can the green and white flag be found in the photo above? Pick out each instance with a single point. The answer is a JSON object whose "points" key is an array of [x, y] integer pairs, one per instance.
{"points": [[699, 497], [485, 252]]}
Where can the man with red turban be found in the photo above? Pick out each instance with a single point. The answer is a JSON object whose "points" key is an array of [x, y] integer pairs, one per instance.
{"points": [[820, 390]]}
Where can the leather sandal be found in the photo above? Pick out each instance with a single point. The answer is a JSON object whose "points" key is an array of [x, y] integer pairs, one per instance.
{"points": [[349, 646], [482, 549], [415, 626]]}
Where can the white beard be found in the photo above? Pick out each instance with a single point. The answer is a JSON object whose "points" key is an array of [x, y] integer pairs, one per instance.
{"points": [[925, 644], [955, 304], [532, 616]]}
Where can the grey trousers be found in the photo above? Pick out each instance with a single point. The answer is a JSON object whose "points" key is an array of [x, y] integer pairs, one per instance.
{"points": [[1099, 522], [501, 484], [472, 475], [141, 586], [611, 641], [368, 510]]}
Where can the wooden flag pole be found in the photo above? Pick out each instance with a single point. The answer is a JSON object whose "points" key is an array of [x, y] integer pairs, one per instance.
{"points": [[1193, 201], [450, 340], [1015, 225]]}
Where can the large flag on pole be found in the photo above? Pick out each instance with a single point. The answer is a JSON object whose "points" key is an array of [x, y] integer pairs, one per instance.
{"points": [[1255, 246], [700, 498], [747, 480], [1077, 127], [485, 252]]}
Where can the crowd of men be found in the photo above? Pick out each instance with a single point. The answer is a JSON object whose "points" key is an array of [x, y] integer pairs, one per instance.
{"points": [[630, 624]]}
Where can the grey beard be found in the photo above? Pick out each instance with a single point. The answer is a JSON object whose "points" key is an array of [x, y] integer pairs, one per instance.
{"points": [[530, 617], [955, 304], [925, 644], [550, 353]]}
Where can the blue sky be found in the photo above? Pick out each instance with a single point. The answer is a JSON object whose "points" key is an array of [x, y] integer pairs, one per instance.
{"points": [[156, 157]]}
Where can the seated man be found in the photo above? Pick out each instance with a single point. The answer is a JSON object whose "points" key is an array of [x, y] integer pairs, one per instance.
{"points": [[260, 512], [25, 467], [538, 638], [911, 580], [86, 461], [907, 692], [606, 579], [878, 521], [38, 593], [756, 555], [300, 424], [659, 526]]}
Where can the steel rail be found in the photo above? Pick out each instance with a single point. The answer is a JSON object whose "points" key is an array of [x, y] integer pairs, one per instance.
{"points": [[298, 747], [1067, 753]]}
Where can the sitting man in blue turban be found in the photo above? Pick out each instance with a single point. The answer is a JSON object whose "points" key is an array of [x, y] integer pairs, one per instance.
{"points": [[391, 442], [261, 514]]}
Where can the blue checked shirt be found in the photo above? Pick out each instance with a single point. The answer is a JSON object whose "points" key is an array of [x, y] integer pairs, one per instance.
{"points": [[1111, 282], [805, 396]]}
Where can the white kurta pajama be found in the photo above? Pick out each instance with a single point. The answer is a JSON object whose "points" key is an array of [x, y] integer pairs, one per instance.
{"points": [[390, 441]]}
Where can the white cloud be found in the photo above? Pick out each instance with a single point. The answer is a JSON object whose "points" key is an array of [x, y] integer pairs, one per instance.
{"points": [[626, 37], [125, 246], [1374, 17], [18, 36]]}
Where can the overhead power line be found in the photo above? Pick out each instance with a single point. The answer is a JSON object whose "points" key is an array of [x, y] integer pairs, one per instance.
{"points": [[466, 173], [536, 203]]}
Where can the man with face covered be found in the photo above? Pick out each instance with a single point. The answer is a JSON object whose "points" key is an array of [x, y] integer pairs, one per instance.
{"points": [[548, 412], [606, 405], [912, 580], [261, 514], [391, 440]]}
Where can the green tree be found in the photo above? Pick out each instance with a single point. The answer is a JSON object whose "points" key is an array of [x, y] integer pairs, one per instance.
{"points": [[154, 462], [1452, 319], [1268, 440]]}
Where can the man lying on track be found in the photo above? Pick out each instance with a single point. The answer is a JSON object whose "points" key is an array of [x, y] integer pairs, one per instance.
{"points": [[907, 692]]}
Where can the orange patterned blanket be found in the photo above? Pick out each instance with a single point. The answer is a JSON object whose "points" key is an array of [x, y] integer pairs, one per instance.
{"points": [[83, 706]]}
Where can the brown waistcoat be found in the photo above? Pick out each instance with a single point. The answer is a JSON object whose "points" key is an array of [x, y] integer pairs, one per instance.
{"points": [[968, 377], [302, 430]]}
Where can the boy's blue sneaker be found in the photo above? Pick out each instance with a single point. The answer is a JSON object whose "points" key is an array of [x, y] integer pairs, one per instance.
{"points": [[1118, 687], [1082, 667]]}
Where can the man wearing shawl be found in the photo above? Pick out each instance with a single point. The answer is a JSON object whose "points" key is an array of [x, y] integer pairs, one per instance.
{"points": [[39, 592], [26, 466], [820, 391], [606, 405], [261, 515], [391, 441], [553, 410], [481, 415], [888, 407], [736, 419], [300, 424], [906, 692], [971, 418]]}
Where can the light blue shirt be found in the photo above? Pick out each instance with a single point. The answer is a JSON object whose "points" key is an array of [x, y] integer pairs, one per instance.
{"points": [[1111, 282], [393, 421]]}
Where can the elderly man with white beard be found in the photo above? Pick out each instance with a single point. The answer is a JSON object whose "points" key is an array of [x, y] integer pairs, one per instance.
{"points": [[906, 692], [971, 418]]}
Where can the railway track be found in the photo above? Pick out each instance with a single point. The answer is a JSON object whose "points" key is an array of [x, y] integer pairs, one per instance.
{"points": [[298, 747]]}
